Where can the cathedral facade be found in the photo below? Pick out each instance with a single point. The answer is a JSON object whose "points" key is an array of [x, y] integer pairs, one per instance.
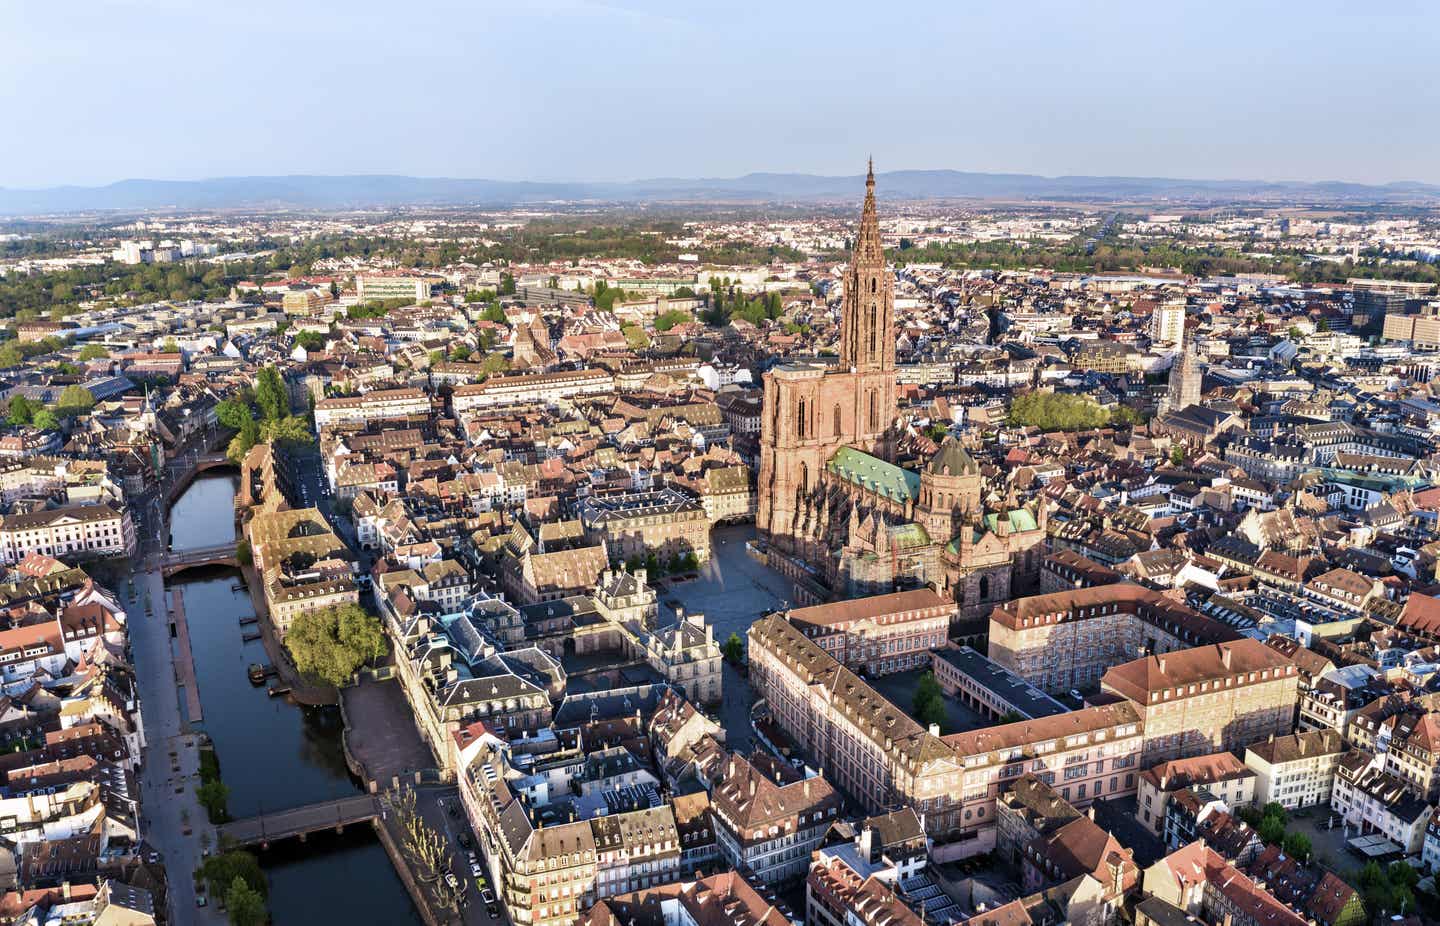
{"points": [[836, 513], [811, 410]]}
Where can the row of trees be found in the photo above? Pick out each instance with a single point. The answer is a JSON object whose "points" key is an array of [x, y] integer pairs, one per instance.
{"points": [[275, 425], [427, 850]]}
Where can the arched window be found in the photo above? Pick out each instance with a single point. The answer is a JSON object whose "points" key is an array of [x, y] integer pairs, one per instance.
{"points": [[800, 418], [874, 412], [837, 419], [871, 326], [804, 478], [984, 588], [873, 284]]}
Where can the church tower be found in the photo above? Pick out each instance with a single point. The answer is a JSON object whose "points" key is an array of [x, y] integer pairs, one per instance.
{"points": [[867, 318], [1185, 376], [812, 409]]}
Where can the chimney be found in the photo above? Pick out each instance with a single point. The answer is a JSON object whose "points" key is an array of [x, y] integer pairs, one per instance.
{"points": [[1162, 665], [866, 840], [934, 729]]}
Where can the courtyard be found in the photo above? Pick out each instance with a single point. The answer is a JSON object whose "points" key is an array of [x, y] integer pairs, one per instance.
{"points": [[899, 688]]}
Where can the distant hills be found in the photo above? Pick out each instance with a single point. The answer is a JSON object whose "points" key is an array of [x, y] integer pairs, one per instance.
{"points": [[351, 192]]}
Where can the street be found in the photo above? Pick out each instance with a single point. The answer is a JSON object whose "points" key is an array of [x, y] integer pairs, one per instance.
{"points": [[434, 805], [172, 820]]}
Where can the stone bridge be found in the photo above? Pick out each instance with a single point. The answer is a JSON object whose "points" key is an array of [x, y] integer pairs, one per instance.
{"points": [[183, 471], [300, 821], [224, 554]]}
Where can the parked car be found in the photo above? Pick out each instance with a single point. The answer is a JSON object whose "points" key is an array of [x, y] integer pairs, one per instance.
{"points": [[451, 880]]}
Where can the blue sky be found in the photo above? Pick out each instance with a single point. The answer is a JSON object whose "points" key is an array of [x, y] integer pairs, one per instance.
{"points": [[101, 90]]}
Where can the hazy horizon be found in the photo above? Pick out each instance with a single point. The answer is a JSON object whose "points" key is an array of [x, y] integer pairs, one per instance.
{"points": [[593, 91]]}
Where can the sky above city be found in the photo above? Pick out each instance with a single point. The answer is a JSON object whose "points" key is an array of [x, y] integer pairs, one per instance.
{"points": [[106, 90]]}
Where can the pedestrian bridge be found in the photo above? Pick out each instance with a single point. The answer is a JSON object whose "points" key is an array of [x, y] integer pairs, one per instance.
{"points": [[300, 821], [179, 560]]}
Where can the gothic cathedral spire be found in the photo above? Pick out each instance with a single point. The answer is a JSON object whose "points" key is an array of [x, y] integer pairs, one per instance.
{"points": [[867, 322]]}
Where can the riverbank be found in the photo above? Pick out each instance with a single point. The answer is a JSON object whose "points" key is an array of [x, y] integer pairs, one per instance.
{"points": [[301, 691]]}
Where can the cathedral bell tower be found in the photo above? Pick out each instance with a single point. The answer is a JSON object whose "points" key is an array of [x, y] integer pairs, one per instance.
{"points": [[867, 323]]}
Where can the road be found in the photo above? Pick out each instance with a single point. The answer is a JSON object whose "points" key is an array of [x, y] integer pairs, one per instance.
{"points": [[435, 808], [171, 758]]}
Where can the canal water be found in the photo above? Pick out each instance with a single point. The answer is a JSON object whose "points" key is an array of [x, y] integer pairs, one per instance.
{"points": [[273, 754]]}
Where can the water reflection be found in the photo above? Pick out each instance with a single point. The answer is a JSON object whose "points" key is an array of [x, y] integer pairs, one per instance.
{"points": [[272, 753]]}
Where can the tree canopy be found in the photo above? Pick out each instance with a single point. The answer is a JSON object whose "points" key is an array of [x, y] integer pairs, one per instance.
{"points": [[928, 705], [271, 397], [333, 643], [1057, 411]]}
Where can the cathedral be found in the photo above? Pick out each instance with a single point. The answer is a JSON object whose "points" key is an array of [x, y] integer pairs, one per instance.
{"points": [[836, 513]]}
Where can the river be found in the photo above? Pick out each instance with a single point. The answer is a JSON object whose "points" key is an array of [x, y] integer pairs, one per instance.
{"points": [[272, 753]]}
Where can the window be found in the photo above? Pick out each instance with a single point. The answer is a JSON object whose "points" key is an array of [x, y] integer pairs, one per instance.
{"points": [[800, 419], [837, 419]]}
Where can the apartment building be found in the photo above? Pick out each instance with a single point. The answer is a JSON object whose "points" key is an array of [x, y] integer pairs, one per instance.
{"points": [[1296, 770], [1200, 883], [1219, 773], [531, 389], [1069, 639], [664, 523], [1373, 801], [1414, 752], [872, 750], [303, 564], [881, 758], [71, 531], [372, 406], [372, 286], [1209, 698], [766, 829], [880, 634]]}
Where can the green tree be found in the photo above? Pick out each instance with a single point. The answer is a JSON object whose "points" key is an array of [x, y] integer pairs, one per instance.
{"points": [[213, 796], [21, 410], [220, 871], [93, 352], [1272, 830], [1298, 845], [494, 362], [45, 420], [270, 394], [234, 414], [170, 346], [928, 705], [11, 354], [244, 904], [333, 643], [672, 318], [635, 336], [507, 284], [241, 443], [1177, 455], [291, 432], [1057, 411], [733, 649], [493, 313], [74, 400], [459, 353]]}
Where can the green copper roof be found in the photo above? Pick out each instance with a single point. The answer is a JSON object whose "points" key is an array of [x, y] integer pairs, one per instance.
{"points": [[874, 474], [1020, 520], [909, 536]]}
